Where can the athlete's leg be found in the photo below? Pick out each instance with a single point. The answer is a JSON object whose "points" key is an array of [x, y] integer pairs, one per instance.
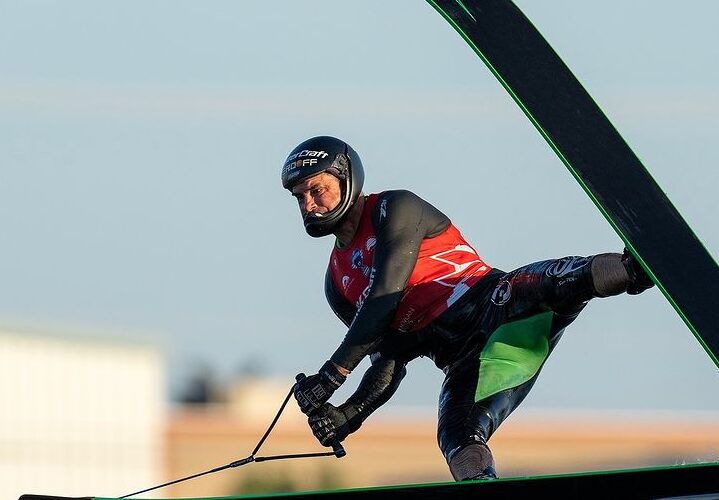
{"points": [[464, 448], [616, 273], [476, 397], [564, 284], [528, 312], [604, 275]]}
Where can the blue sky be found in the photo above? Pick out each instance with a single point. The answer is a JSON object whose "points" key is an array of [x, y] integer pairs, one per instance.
{"points": [[141, 144]]}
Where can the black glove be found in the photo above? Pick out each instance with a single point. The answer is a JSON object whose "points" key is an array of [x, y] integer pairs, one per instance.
{"points": [[330, 424], [639, 280], [313, 391]]}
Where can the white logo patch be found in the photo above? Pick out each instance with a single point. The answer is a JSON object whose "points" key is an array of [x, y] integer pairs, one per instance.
{"points": [[458, 258], [502, 293], [383, 209], [567, 265]]}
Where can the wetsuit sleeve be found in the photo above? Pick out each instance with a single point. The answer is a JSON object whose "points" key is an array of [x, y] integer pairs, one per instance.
{"points": [[344, 310], [401, 220], [378, 384]]}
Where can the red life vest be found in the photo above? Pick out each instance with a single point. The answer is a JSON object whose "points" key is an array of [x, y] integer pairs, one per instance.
{"points": [[447, 266]]}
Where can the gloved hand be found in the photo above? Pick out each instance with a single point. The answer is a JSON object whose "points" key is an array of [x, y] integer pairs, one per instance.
{"points": [[639, 279], [313, 391], [330, 424]]}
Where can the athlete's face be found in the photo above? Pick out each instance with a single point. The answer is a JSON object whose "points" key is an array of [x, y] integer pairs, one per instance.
{"points": [[319, 194]]}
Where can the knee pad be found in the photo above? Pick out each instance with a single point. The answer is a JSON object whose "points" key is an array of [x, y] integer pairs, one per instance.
{"points": [[472, 461]]}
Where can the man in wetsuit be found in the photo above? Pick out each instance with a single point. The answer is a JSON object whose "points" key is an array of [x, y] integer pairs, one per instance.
{"points": [[406, 284]]}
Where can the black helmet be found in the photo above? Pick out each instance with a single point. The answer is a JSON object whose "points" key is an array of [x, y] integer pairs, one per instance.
{"points": [[336, 157]]}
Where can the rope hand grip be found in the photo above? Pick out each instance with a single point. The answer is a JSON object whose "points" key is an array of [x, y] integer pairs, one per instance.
{"points": [[337, 448]]}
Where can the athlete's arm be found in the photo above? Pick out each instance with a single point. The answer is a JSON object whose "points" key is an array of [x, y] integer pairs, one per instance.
{"points": [[401, 220], [342, 308], [333, 424], [378, 385]]}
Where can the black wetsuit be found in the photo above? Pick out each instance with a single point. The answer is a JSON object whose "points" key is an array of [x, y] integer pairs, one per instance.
{"points": [[491, 343]]}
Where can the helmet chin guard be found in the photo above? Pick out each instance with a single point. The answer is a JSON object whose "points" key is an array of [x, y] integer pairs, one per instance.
{"points": [[336, 157]]}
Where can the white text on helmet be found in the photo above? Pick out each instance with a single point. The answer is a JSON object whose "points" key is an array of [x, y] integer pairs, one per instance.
{"points": [[300, 163], [307, 152]]}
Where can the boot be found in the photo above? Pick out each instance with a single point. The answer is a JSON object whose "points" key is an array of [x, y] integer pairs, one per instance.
{"points": [[639, 280]]}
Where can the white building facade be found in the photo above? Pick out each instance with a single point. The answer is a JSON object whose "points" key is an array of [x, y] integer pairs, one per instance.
{"points": [[79, 417]]}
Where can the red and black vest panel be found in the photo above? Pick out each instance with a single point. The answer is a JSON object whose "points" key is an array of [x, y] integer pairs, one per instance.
{"points": [[447, 266]]}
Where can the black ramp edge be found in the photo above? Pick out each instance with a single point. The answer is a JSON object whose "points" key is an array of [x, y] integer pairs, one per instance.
{"points": [[50, 497], [596, 154], [679, 481]]}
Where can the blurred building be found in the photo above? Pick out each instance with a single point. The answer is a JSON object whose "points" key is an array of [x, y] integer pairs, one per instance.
{"points": [[79, 417], [396, 447]]}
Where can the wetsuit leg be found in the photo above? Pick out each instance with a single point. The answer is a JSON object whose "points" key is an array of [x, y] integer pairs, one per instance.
{"points": [[518, 327]]}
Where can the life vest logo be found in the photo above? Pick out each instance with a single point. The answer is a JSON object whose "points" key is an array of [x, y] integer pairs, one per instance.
{"points": [[371, 242], [357, 262], [365, 293], [345, 281], [459, 258]]}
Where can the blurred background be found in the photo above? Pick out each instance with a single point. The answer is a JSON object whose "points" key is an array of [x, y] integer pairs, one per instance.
{"points": [[158, 292]]}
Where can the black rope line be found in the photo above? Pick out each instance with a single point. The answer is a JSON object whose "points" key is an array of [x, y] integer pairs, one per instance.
{"points": [[338, 452], [298, 455], [274, 421]]}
